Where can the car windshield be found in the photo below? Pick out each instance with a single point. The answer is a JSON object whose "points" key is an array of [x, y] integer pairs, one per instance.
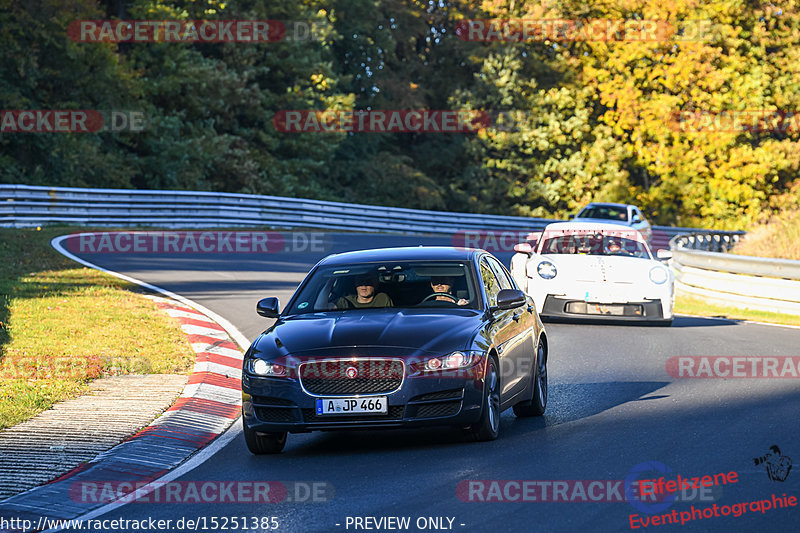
{"points": [[396, 284], [605, 212], [596, 243]]}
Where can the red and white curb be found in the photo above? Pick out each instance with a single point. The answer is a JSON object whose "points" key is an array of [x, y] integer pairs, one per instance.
{"points": [[212, 398], [177, 441]]}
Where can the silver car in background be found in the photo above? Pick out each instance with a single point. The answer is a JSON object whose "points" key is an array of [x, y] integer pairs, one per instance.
{"points": [[626, 214]]}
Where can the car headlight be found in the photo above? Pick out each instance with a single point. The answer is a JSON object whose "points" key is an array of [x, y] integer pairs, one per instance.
{"points": [[260, 367], [658, 275], [454, 361], [449, 362], [547, 270]]}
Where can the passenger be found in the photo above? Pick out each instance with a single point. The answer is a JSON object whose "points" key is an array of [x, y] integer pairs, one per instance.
{"points": [[444, 284], [366, 294]]}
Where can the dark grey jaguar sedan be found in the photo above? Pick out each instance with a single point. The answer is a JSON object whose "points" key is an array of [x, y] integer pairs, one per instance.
{"points": [[395, 337]]}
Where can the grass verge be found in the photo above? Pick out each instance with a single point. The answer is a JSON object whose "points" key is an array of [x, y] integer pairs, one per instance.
{"points": [[690, 305], [778, 238], [62, 325]]}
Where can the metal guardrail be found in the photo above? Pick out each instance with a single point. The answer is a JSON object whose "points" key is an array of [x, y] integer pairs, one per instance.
{"points": [[26, 206], [703, 270], [709, 241]]}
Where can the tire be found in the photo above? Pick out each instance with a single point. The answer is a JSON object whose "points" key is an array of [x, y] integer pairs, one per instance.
{"points": [[263, 443], [538, 402], [488, 427]]}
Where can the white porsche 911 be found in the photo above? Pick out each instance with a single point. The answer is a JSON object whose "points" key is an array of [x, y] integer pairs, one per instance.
{"points": [[594, 271]]}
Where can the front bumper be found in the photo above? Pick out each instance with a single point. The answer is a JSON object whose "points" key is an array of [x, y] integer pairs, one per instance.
{"points": [[272, 405], [641, 311]]}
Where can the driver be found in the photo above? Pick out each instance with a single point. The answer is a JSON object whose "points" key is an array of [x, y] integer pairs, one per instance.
{"points": [[613, 247], [444, 285], [366, 294]]}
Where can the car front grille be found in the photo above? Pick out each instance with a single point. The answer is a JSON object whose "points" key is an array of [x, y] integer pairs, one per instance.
{"points": [[434, 410], [276, 414], [344, 377], [439, 395], [270, 401], [276, 410]]}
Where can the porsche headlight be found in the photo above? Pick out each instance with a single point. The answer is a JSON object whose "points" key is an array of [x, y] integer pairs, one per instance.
{"points": [[547, 270], [659, 275]]}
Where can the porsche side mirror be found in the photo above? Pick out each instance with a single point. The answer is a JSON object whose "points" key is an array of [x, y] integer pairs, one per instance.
{"points": [[268, 307], [664, 254], [523, 248]]}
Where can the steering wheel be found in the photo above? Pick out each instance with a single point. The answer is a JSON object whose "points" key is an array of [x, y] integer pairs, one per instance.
{"points": [[435, 294]]}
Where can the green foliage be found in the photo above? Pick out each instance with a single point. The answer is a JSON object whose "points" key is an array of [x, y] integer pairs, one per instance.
{"points": [[41, 69], [575, 121]]}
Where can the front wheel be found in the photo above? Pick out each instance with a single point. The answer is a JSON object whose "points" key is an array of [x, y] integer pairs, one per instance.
{"points": [[488, 427], [263, 443], [538, 402]]}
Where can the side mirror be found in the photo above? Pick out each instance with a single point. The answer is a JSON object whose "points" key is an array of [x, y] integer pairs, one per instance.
{"points": [[510, 298], [268, 307], [636, 219], [570, 217], [664, 254], [523, 248]]}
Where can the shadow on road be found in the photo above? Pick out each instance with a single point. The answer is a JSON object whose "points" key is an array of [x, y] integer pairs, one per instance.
{"points": [[567, 403]]}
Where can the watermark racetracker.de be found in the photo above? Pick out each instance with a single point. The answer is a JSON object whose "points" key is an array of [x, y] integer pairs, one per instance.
{"points": [[727, 367], [71, 121], [381, 121], [528, 30], [492, 240], [456, 366], [569, 491], [735, 121], [198, 242], [193, 31], [203, 492]]}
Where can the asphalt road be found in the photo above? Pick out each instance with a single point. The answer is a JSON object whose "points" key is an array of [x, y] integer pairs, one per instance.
{"points": [[612, 407]]}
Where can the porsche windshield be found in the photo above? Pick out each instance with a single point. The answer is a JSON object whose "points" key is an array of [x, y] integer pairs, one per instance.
{"points": [[412, 284], [594, 244]]}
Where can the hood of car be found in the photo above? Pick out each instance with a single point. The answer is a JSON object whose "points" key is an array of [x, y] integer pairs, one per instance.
{"points": [[391, 332], [610, 268]]}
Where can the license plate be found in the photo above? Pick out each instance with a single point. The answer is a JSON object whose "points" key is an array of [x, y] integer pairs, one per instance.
{"points": [[376, 405], [598, 309]]}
